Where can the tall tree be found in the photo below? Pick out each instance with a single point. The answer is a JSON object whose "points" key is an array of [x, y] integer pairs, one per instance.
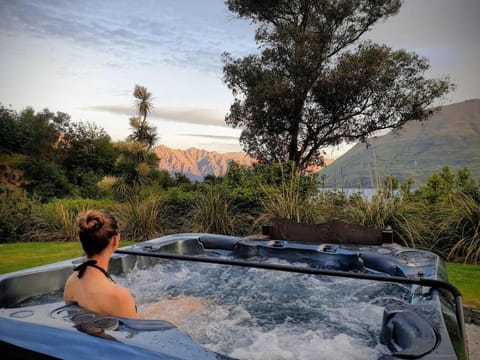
{"points": [[137, 163], [87, 154], [10, 134], [143, 132], [310, 87], [40, 131]]}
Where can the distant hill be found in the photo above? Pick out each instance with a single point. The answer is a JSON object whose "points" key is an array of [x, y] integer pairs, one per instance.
{"points": [[451, 137], [196, 163]]}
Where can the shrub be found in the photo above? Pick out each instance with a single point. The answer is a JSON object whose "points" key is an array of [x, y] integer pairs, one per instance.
{"points": [[45, 180], [15, 214]]}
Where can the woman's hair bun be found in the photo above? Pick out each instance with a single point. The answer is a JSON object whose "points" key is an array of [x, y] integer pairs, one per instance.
{"points": [[91, 221]]}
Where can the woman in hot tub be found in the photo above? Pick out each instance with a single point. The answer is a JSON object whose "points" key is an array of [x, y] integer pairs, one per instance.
{"points": [[90, 286]]}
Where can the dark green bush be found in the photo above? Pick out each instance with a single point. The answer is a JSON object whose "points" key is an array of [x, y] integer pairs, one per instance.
{"points": [[15, 214]]}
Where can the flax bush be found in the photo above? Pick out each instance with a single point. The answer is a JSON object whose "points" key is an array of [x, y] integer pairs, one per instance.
{"points": [[141, 218]]}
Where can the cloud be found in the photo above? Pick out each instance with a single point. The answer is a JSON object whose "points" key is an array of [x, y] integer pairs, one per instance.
{"points": [[181, 33], [216, 137], [190, 116]]}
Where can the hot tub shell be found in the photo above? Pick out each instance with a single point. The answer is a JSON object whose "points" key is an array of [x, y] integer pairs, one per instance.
{"points": [[426, 328]]}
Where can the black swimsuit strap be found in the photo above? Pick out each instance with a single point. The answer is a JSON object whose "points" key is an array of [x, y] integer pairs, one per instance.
{"points": [[93, 263]]}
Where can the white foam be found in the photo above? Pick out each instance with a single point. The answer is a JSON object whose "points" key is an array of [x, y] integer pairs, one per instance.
{"points": [[285, 343], [260, 314]]}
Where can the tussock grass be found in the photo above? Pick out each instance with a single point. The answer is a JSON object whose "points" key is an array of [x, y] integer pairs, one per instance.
{"points": [[464, 219], [56, 222], [212, 212], [328, 205], [287, 200], [409, 220], [141, 218]]}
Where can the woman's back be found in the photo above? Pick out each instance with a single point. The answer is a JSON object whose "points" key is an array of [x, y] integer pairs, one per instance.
{"points": [[90, 285], [99, 294]]}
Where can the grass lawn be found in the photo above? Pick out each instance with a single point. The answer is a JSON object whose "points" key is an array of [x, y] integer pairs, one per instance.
{"points": [[18, 256], [467, 279]]}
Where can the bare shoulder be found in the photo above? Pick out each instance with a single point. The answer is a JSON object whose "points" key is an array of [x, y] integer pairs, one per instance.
{"points": [[69, 279], [121, 302], [67, 289], [122, 292]]}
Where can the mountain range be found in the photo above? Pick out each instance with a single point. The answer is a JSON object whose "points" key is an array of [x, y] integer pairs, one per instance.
{"points": [[451, 137], [197, 163]]}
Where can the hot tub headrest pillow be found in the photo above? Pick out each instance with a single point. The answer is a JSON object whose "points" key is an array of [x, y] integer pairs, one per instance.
{"points": [[332, 232]]}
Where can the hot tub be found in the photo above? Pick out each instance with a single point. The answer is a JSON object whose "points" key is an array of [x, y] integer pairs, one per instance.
{"points": [[266, 299]]}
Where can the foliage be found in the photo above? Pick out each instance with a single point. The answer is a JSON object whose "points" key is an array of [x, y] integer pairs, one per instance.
{"points": [[40, 132], [245, 183], [59, 223], [60, 158], [288, 199], [135, 166], [63, 158], [87, 154], [310, 88], [212, 212], [454, 206], [57, 220], [142, 131], [463, 227], [80, 160], [328, 205], [409, 220], [441, 185], [10, 174], [15, 213], [33, 135], [45, 180], [140, 218], [178, 204], [162, 179], [10, 134]]}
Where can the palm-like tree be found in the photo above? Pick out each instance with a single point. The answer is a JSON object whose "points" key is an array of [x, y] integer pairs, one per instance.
{"points": [[144, 101], [143, 132]]}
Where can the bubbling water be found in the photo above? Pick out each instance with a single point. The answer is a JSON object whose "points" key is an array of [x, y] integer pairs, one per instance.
{"points": [[260, 314]]}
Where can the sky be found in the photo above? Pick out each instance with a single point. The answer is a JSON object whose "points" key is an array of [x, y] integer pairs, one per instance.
{"points": [[85, 57]]}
